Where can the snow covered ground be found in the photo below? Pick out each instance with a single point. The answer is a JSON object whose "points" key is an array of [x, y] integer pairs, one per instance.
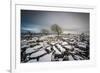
{"points": [[61, 50]]}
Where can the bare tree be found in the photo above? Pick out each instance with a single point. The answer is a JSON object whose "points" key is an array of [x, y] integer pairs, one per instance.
{"points": [[45, 31], [56, 29]]}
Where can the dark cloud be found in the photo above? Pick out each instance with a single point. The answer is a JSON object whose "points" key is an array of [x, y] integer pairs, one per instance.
{"points": [[68, 21]]}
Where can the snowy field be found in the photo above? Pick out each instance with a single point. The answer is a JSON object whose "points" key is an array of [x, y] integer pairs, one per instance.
{"points": [[49, 48]]}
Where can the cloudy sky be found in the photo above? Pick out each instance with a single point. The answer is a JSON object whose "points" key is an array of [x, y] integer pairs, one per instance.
{"points": [[70, 22]]}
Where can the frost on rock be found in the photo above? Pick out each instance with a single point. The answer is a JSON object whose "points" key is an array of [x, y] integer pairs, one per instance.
{"points": [[29, 50], [51, 48], [38, 53]]}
